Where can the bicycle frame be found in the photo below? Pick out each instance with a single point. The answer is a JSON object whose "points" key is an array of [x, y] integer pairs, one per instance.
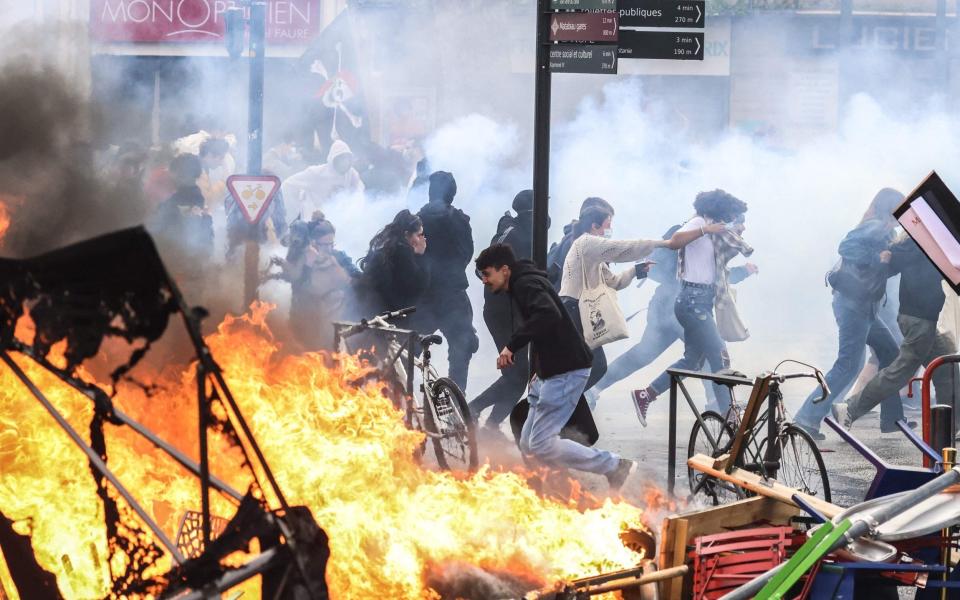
{"points": [[401, 358], [398, 340]]}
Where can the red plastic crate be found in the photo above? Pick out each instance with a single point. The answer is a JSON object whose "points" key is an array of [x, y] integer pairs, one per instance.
{"points": [[725, 561]]}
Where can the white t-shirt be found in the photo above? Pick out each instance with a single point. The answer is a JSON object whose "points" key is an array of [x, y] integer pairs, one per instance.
{"points": [[699, 264]]}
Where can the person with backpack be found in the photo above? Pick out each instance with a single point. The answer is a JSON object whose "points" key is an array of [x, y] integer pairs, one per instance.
{"points": [[921, 300], [662, 328], [498, 314], [859, 283], [558, 251], [445, 305]]}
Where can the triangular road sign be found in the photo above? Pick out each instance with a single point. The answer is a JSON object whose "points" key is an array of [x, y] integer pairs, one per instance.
{"points": [[253, 194]]}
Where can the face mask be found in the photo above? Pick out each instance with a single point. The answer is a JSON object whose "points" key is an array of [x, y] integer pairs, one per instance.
{"points": [[608, 233]]}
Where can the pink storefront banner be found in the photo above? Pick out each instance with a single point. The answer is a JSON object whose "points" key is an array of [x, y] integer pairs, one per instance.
{"points": [[173, 21]]}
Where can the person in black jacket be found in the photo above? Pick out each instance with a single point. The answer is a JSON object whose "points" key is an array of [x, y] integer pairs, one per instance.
{"points": [[503, 394], [395, 274], [561, 365], [921, 300], [445, 304]]}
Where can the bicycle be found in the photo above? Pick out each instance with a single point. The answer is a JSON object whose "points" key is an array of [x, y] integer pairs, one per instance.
{"points": [[793, 459], [442, 414]]}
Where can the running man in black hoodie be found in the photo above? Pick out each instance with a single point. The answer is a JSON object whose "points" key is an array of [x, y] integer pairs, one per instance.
{"points": [[560, 360]]}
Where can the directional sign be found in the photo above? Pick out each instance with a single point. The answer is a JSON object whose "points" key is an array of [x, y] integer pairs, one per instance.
{"points": [[583, 4], [581, 58], [662, 13], [675, 45], [583, 27], [253, 194]]}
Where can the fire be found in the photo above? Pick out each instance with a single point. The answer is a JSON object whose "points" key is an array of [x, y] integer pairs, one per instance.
{"points": [[6, 202], [394, 526]]}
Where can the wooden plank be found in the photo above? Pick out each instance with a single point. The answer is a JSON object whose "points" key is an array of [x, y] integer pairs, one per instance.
{"points": [[739, 514], [675, 587], [761, 387], [755, 483]]}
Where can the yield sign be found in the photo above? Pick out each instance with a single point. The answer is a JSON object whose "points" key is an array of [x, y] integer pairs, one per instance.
{"points": [[253, 194]]}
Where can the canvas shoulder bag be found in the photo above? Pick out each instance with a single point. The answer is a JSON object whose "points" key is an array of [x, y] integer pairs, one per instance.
{"points": [[600, 314], [729, 323]]}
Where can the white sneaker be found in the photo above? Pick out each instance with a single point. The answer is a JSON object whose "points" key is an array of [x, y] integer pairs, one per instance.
{"points": [[841, 414]]}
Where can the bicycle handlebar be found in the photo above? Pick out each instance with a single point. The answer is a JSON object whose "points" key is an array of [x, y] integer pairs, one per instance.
{"points": [[397, 314], [824, 388], [378, 321]]}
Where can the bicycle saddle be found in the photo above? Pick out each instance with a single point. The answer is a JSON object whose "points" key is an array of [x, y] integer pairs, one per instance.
{"points": [[428, 340]]}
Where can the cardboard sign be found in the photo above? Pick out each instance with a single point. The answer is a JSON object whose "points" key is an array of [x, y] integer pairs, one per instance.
{"points": [[253, 194]]}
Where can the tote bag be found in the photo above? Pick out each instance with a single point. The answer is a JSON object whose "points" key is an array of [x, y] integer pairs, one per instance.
{"points": [[729, 324], [600, 314]]}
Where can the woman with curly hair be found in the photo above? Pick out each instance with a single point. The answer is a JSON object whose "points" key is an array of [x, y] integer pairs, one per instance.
{"points": [[697, 240]]}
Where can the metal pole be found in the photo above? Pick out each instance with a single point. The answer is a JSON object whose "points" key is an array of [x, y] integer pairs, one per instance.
{"points": [[949, 460], [672, 438], [541, 136], [254, 141], [94, 458], [255, 124], [941, 427], [203, 410]]}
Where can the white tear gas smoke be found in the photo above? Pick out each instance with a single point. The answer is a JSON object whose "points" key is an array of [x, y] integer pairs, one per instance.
{"points": [[611, 138]]}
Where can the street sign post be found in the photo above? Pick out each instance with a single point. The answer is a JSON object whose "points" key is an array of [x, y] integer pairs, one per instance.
{"points": [[673, 45], [677, 14], [583, 27], [599, 59], [253, 194]]}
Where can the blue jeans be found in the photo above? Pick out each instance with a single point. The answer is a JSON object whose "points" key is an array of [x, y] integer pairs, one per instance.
{"points": [[552, 401], [701, 339], [858, 328], [661, 332]]}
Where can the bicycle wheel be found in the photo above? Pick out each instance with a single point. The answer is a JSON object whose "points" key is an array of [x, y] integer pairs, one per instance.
{"points": [[456, 445], [718, 491], [801, 464]]}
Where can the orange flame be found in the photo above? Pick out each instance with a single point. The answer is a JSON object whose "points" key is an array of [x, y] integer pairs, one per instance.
{"points": [[343, 452], [6, 202]]}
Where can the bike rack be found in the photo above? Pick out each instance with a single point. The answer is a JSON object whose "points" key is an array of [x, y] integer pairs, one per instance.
{"points": [[676, 382]]}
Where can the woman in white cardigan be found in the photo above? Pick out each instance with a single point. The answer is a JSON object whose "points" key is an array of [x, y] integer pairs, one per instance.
{"points": [[590, 255]]}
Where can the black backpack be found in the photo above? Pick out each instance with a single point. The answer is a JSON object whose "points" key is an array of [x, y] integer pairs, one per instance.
{"points": [[504, 226]]}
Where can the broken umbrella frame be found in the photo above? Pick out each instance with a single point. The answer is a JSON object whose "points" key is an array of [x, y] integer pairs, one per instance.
{"points": [[193, 577]]}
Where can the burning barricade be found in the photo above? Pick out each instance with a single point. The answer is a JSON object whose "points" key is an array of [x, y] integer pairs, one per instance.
{"points": [[247, 469]]}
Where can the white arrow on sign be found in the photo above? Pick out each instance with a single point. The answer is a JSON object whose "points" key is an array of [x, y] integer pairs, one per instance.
{"points": [[253, 194], [699, 14], [697, 40]]}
